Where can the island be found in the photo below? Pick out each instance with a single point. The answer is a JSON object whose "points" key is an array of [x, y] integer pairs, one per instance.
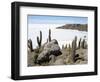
{"points": [[79, 27]]}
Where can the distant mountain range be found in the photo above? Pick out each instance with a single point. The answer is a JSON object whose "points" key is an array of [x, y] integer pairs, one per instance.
{"points": [[79, 27]]}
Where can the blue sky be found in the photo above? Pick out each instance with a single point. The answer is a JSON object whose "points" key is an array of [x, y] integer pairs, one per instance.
{"points": [[44, 19]]}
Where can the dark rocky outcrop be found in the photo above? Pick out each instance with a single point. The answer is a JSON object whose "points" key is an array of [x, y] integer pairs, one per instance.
{"points": [[51, 48]]}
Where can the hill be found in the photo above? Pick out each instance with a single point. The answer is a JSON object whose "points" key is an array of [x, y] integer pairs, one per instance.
{"points": [[79, 27]]}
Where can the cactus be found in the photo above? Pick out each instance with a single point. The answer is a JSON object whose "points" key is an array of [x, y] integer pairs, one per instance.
{"points": [[69, 49], [76, 41], [66, 46], [79, 44], [62, 46], [69, 46], [39, 41], [74, 46], [49, 37], [86, 46], [83, 44], [47, 40], [30, 45]]}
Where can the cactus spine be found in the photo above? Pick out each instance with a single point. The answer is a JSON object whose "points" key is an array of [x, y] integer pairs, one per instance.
{"points": [[49, 37], [39, 41]]}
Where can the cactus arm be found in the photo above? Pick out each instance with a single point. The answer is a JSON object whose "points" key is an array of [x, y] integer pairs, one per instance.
{"points": [[49, 35], [40, 38], [39, 41]]}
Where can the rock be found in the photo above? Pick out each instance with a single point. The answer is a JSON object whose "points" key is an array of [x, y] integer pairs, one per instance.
{"points": [[51, 48], [82, 54], [63, 59], [43, 57], [52, 59], [59, 62], [80, 62], [31, 56]]}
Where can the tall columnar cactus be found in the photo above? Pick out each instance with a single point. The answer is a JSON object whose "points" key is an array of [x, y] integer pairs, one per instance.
{"points": [[39, 41], [49, 37], [66, 46], [69, 49], [69, 46], [83, 44], [62, 46], [76, 41], [74, 46], [47, 40], [30, 45], [79, 44]]}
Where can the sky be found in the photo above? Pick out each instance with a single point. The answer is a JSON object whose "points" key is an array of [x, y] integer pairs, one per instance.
{"points": [[46, 19]]}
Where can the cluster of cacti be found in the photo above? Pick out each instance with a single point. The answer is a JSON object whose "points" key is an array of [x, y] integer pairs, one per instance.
{"points": [[82, 44], [64, 47], [30, 45], [70, 52], [39, 40], [74, 46], [49, 37]]}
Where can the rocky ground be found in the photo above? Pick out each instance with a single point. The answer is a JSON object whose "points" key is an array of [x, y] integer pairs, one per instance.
{"points": [[51, 54]]}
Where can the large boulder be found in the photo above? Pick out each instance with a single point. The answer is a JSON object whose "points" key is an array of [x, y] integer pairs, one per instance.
{"points": [[51, 48]]}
